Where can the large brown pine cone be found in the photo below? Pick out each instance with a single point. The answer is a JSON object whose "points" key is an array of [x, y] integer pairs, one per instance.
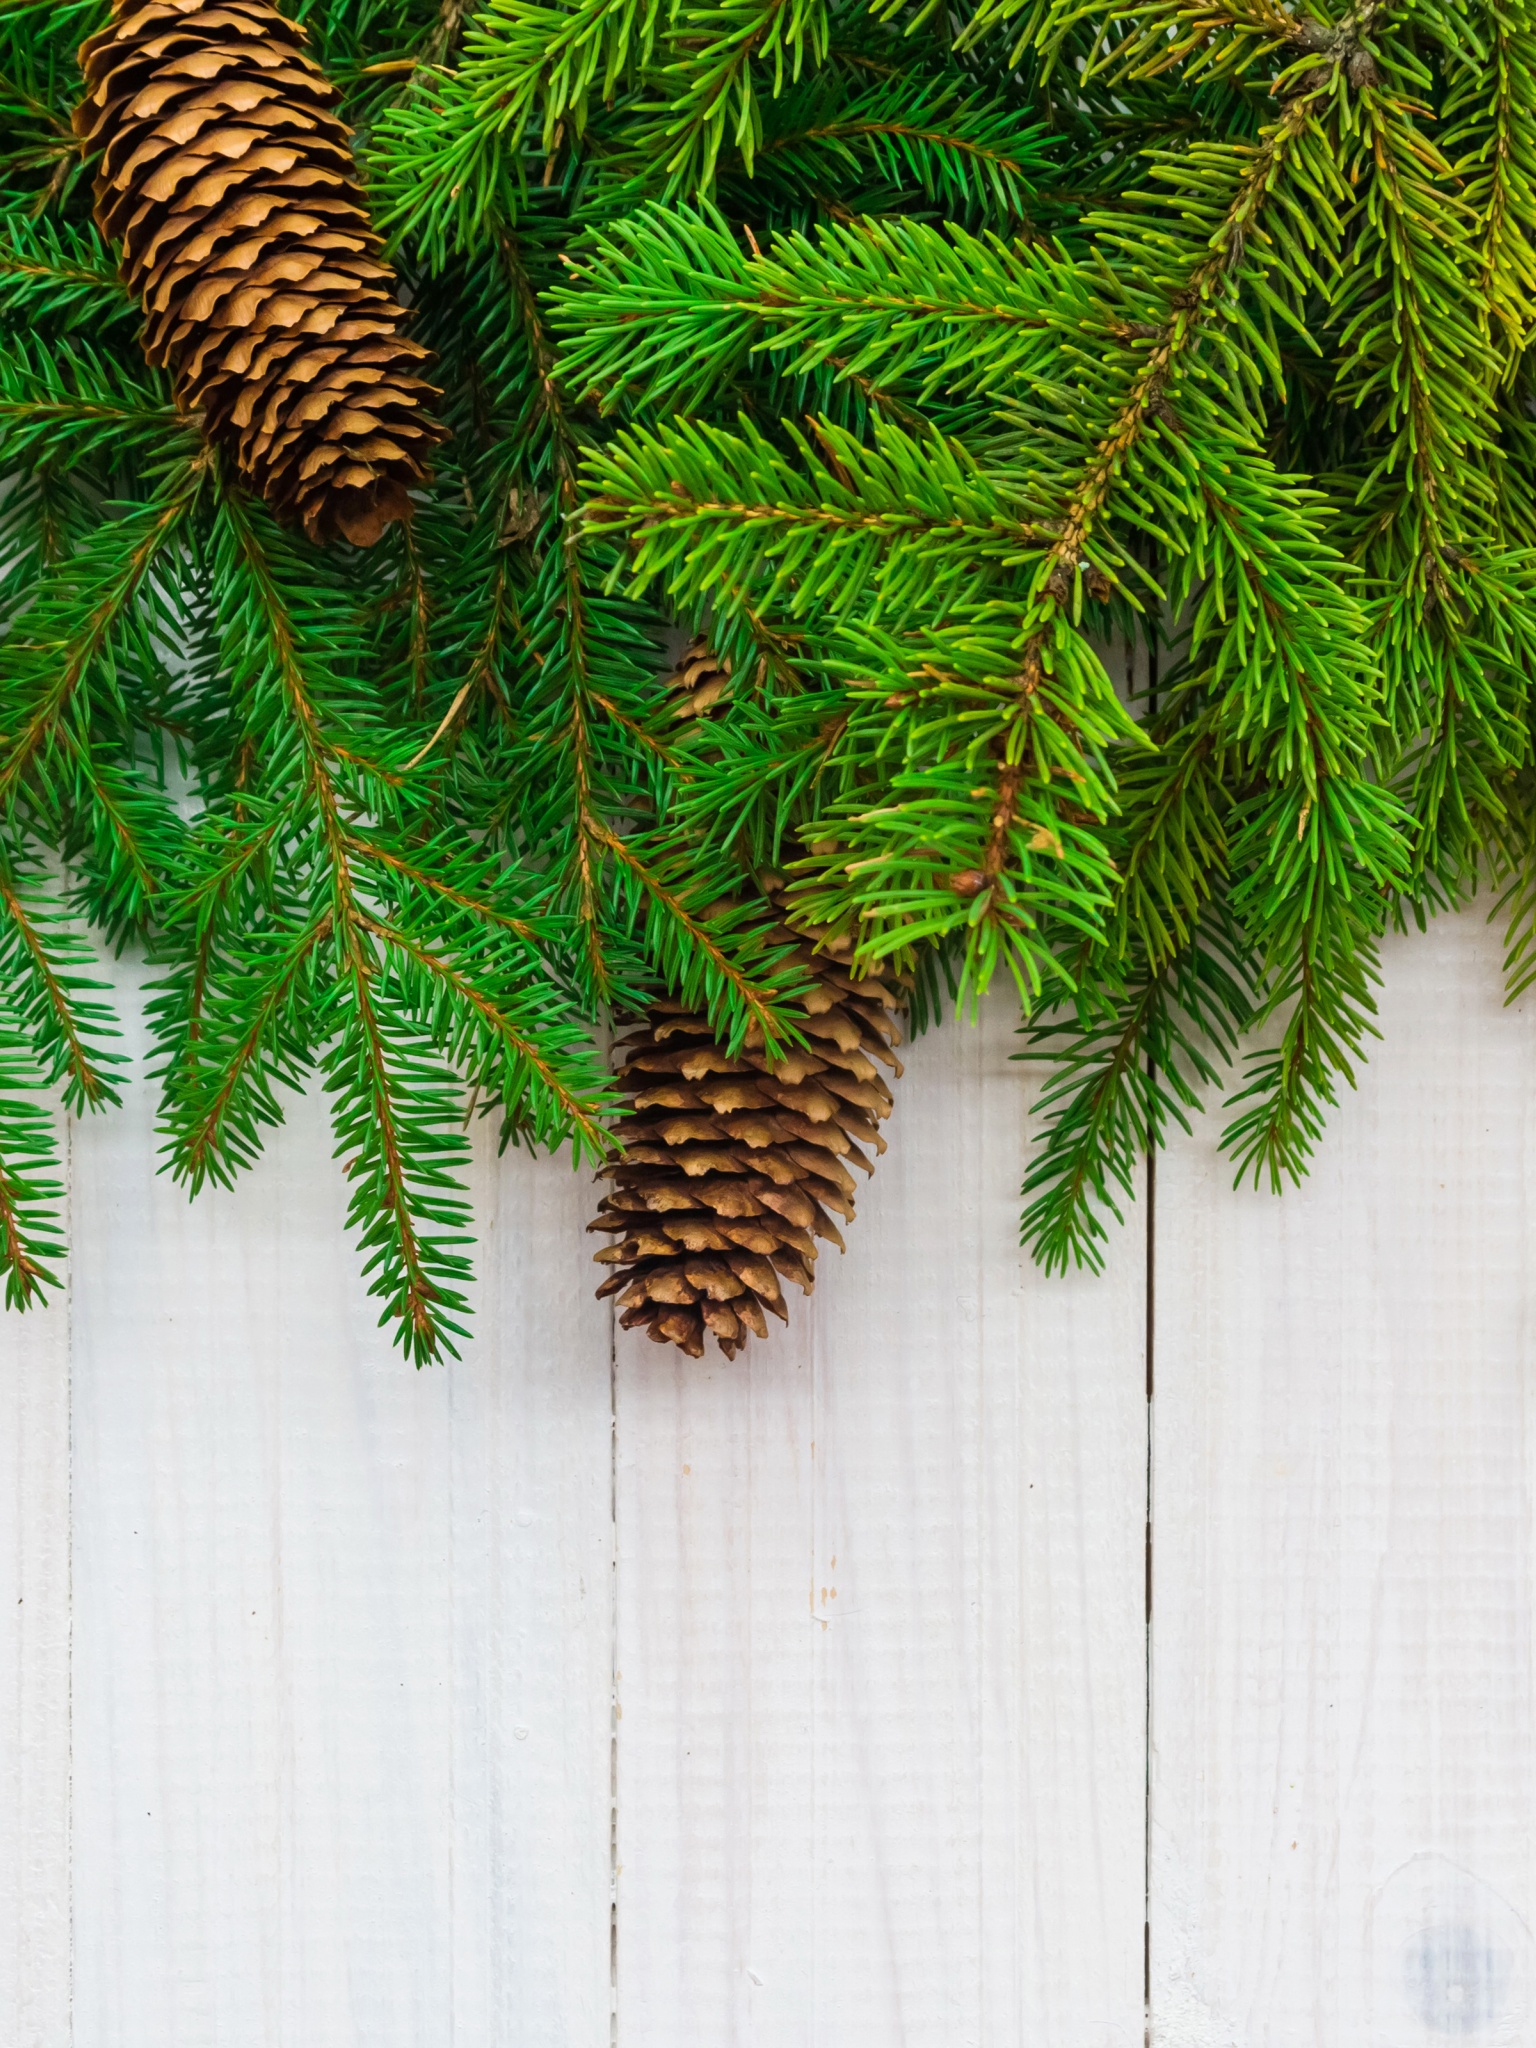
{"points": [[231, 185], [732, 1161]]}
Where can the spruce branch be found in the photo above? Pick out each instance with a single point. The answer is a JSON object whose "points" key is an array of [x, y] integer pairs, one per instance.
{"points": [[720, 51], [1490, 148], [31, 1195], [59, 274], [1122, 1067]]}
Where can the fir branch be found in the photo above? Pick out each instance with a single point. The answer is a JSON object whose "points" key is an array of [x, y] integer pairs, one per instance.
{"points": [[61, 403], [54, 272], [31, 1195], [976, 156], [905, 524], [703, 972], [1493, 155], [669, 309], [52, 994], [1420, 362], [1121, 1068], [70, 629], [524, 58], [504, 1054], [718, 50]]}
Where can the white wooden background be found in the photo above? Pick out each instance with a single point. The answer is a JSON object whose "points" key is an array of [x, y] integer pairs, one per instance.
{"points": [[562, 1697]]}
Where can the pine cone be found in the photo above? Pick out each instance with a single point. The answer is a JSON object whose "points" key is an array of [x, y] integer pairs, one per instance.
{"points": [[731, 1162], [699, 682], [231, 185]]}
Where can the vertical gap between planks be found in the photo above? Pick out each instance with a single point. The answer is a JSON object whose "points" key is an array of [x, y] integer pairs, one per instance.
{"points": [[1146, 1835], [69, 1559], [613, 1676], [1150, 1346], [1149, 1342]]}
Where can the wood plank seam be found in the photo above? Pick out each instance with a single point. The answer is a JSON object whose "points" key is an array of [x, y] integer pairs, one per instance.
{"points": [[613, 1677], [1150, 1345], [69, 1567], [1146, 1830]]}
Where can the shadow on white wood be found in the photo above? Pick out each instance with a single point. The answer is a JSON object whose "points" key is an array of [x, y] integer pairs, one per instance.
{"points": [[342, 1629], [882, 1651], [1343, 1699]]}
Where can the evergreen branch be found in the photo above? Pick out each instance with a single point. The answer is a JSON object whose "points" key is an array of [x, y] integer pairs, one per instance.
{"points": [[401, 1143], [30, 1191], [415, 599], [212, 1118], [562, 637], [475, 903], [59, 1006], [522, 57], [528, 1082], [389, 1144], [668, 310], [1058, 579], [1171, 843], [988, 827], [71, 626], [443, 175], [53, 271], [1205, 41], [1421, 363], [1493, 155], [704, 973], [1513, 862], [910, 522], [1329, 989], [968, 152], [1119, 1070], [1204, 292], [1414, 348], [711, 93]]}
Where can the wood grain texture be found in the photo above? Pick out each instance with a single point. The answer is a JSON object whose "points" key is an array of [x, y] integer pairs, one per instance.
{"points": [[881, 1657], [35, 1676], [342, 1629], [1343, 1699]]}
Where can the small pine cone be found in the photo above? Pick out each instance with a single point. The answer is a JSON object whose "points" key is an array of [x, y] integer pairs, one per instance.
{"points": [[732, 1161], [699, 682], [231, 186]]}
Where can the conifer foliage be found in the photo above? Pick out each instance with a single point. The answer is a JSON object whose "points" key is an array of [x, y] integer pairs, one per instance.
{"points": [[918, 357]]}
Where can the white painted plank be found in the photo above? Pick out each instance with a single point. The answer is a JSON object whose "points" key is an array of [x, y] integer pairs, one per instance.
{"points": [[881, 1763], [34, 1674], [342, 1629], [1343, 1699]]}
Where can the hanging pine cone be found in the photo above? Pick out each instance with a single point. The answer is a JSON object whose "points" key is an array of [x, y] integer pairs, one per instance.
{"points": [[732, 1161], [231, 185]]}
